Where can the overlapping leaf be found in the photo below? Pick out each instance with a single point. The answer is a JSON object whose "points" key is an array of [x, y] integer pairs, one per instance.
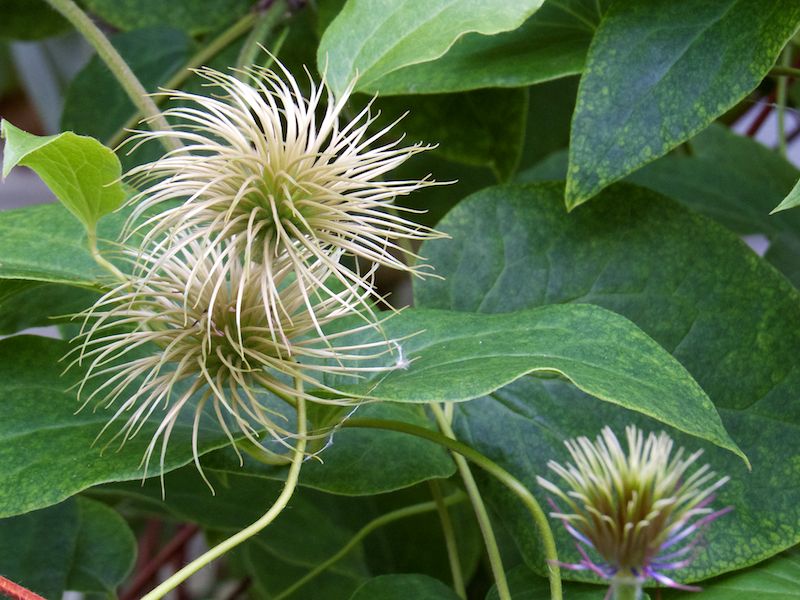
{"points": [[657, 73], [690, 284]]}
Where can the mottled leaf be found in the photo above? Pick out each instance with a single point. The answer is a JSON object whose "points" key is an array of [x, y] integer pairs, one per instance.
{"points": [[459, 356], [657, 73], [728, 317]]}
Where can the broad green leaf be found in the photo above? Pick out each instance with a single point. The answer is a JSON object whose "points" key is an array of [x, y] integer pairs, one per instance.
{"points": [[40, 567], [791, 201], [80, 171], [44, 243], [647, 88], [459, 356], [281, 555], [271, 575], [194, 16], [47, 452], [470, 134], [550, 44], [105, 549], [26, 304], [775, 579], [240, 499], [30, 20], [403, 587], [95, 103], [731, 178], [371, 38], [355, 461], [686, 281], [78, 545]]}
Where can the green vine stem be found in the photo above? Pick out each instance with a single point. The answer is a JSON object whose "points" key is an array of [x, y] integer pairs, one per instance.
{"points": [[781, 96], [283, 499], [116, 64], [496, 471], [206, 53], [91, 236], [484, 522], [626, 587], [395, 515], [267, 21], [449, 539], [784, 71]]}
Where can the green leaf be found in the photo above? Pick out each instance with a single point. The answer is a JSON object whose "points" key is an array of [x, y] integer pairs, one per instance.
{"points": [[240, 499], [96, 104], [25, 304], [78, 545], [80, 171], [371, 38], [356, 461], [550, 44], [686, 281], [647, 87], [527, 585], [775, 579], [460, 356], [40, 567], [194, 16], [105, 549], [271, 575], [403, 587], [30, 20], [47, 452], [470, 134], [731, 178], [44, 243], [791, 201]]}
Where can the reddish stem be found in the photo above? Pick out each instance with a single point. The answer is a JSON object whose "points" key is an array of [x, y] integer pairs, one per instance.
{"points": [[16, 592], [761, 116], [766, 109], [144, 576], [148, 543]]}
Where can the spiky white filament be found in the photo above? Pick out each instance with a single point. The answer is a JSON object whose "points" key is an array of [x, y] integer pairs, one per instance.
{"points": [[187, 338], [259, 166]]}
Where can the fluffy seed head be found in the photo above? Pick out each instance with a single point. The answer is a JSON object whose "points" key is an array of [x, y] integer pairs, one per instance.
{"points": [[640, 511], [281, 174], [184, 339]]}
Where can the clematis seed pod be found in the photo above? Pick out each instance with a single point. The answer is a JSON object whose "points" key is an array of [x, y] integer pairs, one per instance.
{"points": [[640, 512]]}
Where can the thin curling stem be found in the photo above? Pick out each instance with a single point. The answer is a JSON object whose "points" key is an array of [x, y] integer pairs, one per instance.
{"points": [[100, 259], [485, 524], [116, 64], [496, 471], [449, 539], [245, 534], [206, 53], [390, 517]]}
